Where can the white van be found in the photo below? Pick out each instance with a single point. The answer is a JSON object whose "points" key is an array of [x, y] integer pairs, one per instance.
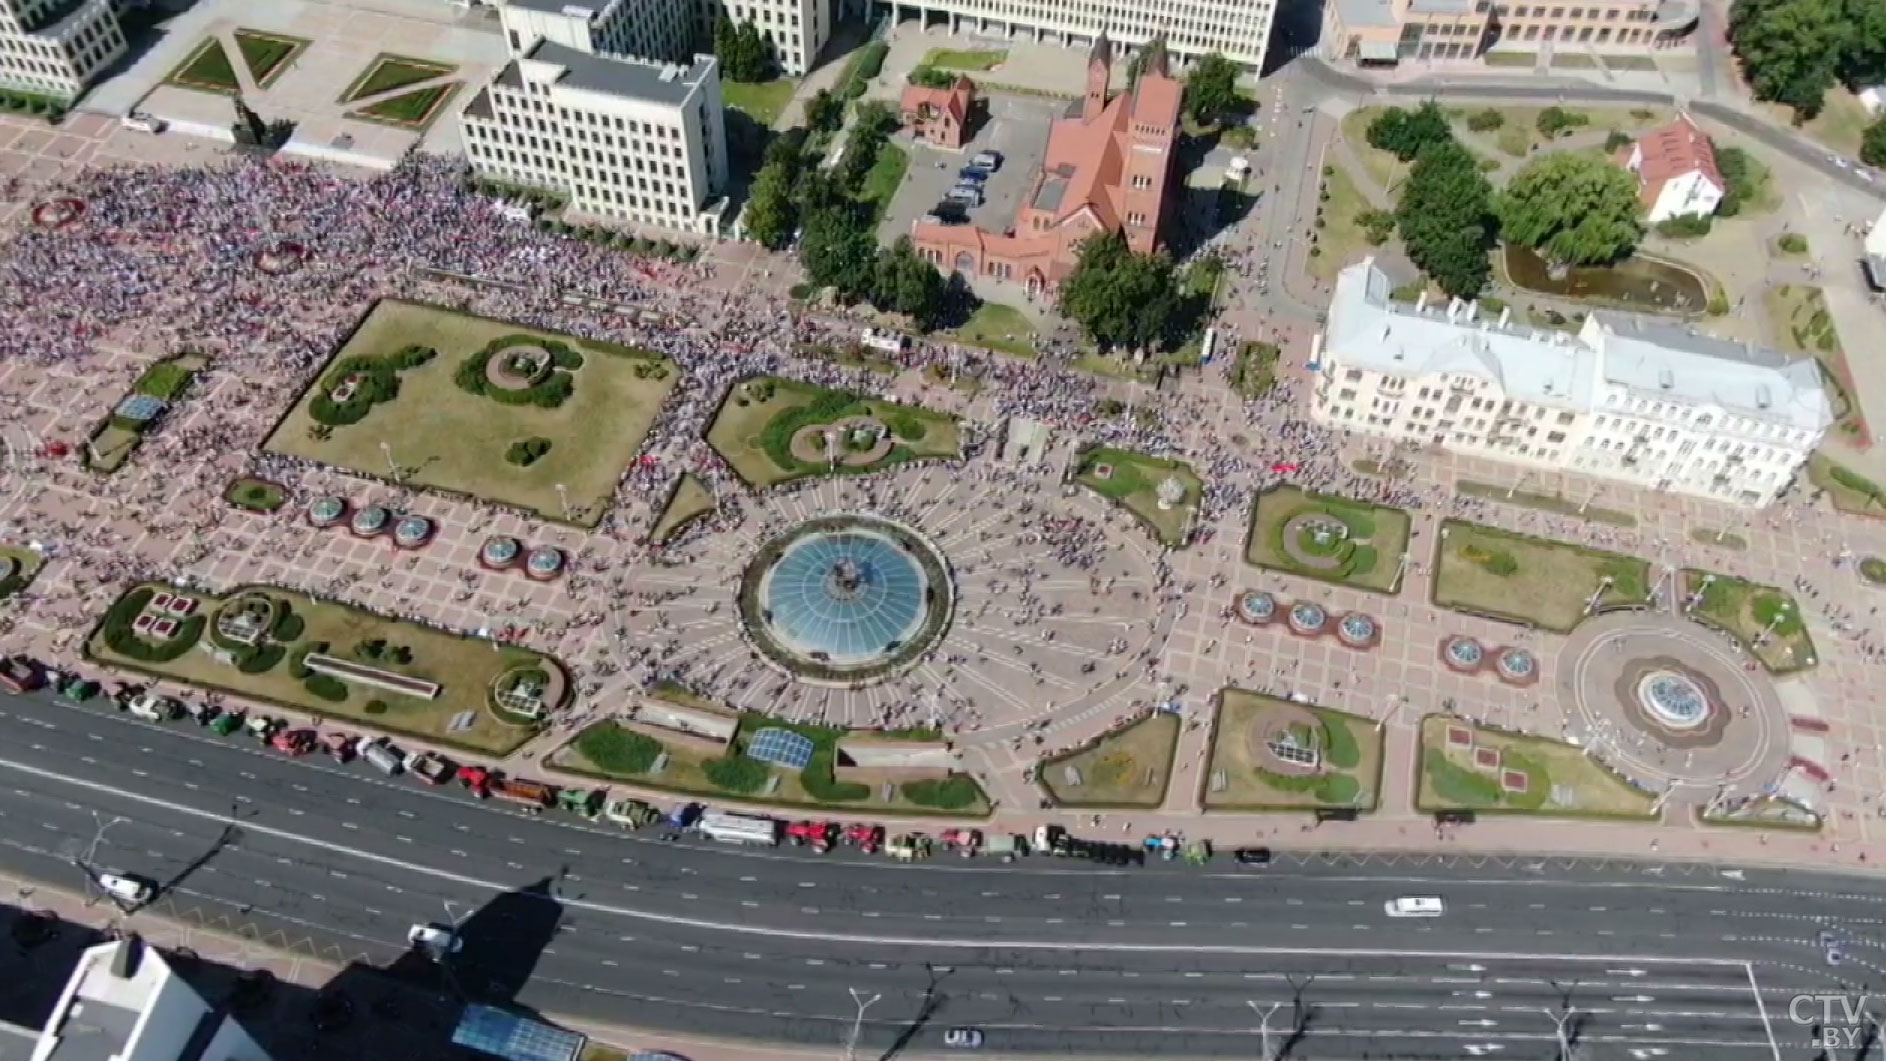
{"points": [[1415, 906], [964, 194], [891, 342], [125, 888], [383, 756]]}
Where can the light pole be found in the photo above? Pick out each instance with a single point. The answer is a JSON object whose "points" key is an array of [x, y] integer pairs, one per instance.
{"points": [[1768, 628], [1263, 1028], [1567, 1051], [563, 498], [392, 466], [857, 1023], [1598, 594]]}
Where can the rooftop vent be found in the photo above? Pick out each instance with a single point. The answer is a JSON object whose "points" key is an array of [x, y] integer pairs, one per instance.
{"points": [[1665, 378], [124, 960], [1762, 398]]}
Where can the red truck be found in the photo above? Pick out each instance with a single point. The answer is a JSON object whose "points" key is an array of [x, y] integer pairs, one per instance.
{"points": [[820, 835], [533, 796], [965, 842], [865, 837], [478, 779], [293, 741]]}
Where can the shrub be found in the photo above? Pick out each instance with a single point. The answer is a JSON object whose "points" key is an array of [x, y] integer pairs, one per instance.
{"points": [[615, 750], [1500, 564], [1485, 121], [326, 687], [736, 773], [905, 425], [526, 452], [262, 658], [870, 61], [298, 659], [1557, 121], [375, 707], [1792, 243], [287, 625], [1688, 226], [954, 792], [1616, 141], [1340, 749]]}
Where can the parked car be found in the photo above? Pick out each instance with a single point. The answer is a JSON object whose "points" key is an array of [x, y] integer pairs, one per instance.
{"points": [[125, 888], [1252, 856], [963, 1038], [989, 160], [972, 175], [339, 746], [436, 940]]}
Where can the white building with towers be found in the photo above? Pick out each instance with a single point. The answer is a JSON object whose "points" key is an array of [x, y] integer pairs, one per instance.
{"points": [[57, 48]]}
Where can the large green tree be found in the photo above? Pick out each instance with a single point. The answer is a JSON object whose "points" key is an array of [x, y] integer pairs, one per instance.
{"points": [[1404, 133], [744, 52], [824, 112], [1120, 298], [1873, 144], [1793, 51], [1211, 89], [1445, 217], [1573, 208], [837, 249], [907, 284]]}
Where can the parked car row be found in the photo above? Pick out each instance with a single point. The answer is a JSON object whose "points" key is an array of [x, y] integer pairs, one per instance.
{"points": [[969, 190]]}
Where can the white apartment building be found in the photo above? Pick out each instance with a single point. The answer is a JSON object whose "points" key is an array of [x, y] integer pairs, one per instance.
{"points": [[57, 47], [125, 1003], [1237, 29], [643, 29], [631, 140], [1653, 405]]}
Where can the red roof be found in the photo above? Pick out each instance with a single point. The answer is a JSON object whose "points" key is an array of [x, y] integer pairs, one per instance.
{"points": [[1675, 150], [953, 100]]}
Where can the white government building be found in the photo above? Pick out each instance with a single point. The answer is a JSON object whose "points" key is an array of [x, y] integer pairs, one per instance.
{"points": [[1237, 29], [1653, 405], [637, 140], [56, 47], [671, 29]]}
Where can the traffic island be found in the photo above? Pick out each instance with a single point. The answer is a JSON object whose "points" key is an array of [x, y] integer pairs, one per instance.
{"points": [[771, 431], [1271, 754], [321, 657], [1129, 766], [1518, 578], [1484, 770], [676, 742]]}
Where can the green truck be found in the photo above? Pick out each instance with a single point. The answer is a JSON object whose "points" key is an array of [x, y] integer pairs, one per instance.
{"points": [[632, 813], [582, 802]]}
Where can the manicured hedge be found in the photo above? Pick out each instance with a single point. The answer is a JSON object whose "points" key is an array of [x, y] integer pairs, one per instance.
{"points": [[325, 686], [950, 793], [379, 383], [618, 751], [736, 773]]}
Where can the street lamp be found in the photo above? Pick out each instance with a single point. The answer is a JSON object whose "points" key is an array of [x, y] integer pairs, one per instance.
{"points": [[563, 498], [1768, 628], [1567, 1050], [1263, 1028], [392, 466], [857, 1024]]}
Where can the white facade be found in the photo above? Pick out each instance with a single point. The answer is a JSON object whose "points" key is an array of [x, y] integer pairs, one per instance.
{"points": [[124, 1002], [631, 140], [56, 47], [643, 29], [1683, 195], [1653, 405], [1237, 29]]}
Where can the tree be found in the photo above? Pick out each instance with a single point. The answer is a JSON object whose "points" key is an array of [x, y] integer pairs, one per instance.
{"points": [[1865, 60], [770, 215], [745, 53], [824, 112], [1792, 51], [1404, 133], [1121, 298], [1873, 144], [1444, 217], [906, 283], [1574, 209], [837, 249], [1211, 89]]}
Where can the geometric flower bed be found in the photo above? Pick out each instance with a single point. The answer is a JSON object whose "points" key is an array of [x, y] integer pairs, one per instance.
{"points": [[1512, 665], [1307, 619]]}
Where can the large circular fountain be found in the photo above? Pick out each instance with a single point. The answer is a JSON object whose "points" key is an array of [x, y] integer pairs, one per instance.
{"points": [[1672, 699], [846, 598]]}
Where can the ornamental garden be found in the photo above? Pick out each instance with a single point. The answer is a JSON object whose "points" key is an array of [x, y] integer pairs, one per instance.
{"points": [[1323, 536], [772, 431], [434, 398], [334, 660], [1468, 767], [1273, 754], [1129, 766], [1162, 494]]}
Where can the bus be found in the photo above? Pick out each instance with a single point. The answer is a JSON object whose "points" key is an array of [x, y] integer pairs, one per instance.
{"points": [[730, 828]]}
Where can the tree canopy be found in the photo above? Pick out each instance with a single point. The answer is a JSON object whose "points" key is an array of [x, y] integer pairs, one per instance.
{"points": [[1404, 133], [1873, 144], [1793, 51], [1211, 89], [1445, 215], [1120, 298], [1573, 208], [744, 52], [824, 112]]}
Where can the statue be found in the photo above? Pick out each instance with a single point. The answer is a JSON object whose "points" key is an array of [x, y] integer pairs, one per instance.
{"points": [[1170, 492]]}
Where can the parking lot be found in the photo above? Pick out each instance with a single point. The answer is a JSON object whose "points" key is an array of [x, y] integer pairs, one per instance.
{"points": [[1017, 127]]}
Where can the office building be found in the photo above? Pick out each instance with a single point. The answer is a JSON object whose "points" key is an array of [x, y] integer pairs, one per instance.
{"points": [[125, 1003], [57, 48], [1108, 168], [1391, 31], [1237, 29], [631, 140], [797, 28], [1650, 404]]}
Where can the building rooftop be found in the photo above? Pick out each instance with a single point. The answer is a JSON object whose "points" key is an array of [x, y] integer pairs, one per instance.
{"points": [[562, 7], [639, 79], [1368, 329], [106, 994], [1674, 150], [1366, 14]]}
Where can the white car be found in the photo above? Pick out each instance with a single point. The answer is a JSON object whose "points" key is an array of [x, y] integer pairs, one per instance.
{"points": [[963, 1038], [437, 939], [1415, 906], [124, 887]]}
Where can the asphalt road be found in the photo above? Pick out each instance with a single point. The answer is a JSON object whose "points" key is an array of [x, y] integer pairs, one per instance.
{"points": [[1045, 956]]}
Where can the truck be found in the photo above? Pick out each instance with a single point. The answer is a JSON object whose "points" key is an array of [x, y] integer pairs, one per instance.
{"points": [[630, 812], [582, 802], [533, 796], [908, 847], [430, 767], [78, 690], [819, 835], [965, 842], [729, 827], [1053, 840], [294, 741], [1005, 846], [21, 674], [477, 779]]}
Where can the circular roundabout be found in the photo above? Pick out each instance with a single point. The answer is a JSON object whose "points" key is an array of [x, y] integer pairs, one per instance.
{"points": [[980, 604], [1670, 703], [846, 598]]}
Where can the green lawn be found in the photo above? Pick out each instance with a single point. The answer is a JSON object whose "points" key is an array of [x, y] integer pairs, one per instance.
{"points": [[27, 564], [1340, 241], [255, 495], [1767, 621], [445, 437], [1383, 168], [411, 109], [1800, 322], [1241, 773], [207, 68], [114, 440], [1131, 480], [1520, 578], [753, 430], [884, 177], [690, 500], [1547, 777], [1850, 491], [998, 327], [267, 54], [763, 101], [1367, 554], [973, 60], [1126, 767], [388, 72], [465, 667]]}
